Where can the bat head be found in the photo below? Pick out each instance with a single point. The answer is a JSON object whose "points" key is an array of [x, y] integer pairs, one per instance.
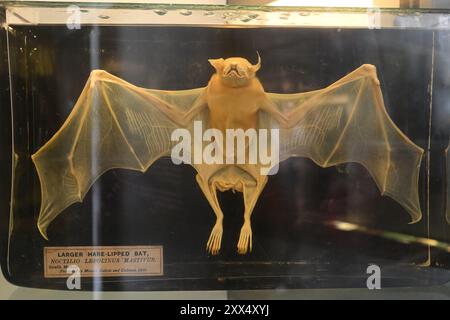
{"points": [[235, 71]]}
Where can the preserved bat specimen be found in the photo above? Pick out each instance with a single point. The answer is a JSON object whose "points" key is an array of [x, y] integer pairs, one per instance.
{"points": [[115, 124]]}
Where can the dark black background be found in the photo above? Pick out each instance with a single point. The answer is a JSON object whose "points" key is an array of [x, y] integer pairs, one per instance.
{"points": [[293, 244]]}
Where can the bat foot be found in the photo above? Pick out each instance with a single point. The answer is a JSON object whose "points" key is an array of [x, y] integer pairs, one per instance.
{"points": [[245, 239], [215, 239]]}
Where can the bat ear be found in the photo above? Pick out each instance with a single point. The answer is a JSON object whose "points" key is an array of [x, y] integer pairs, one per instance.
{"points": [[257, 66], [216, 63]]}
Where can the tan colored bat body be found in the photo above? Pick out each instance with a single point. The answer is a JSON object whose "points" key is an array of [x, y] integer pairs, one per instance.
{"points": [[130, 127]]}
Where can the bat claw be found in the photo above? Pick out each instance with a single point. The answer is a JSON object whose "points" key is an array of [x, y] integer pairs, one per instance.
{"points": [[245, 239], [371, 70], [96, 75], [215, 239]]}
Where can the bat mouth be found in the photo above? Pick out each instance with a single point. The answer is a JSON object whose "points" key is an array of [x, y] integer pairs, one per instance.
{"points": [[233, 72]]}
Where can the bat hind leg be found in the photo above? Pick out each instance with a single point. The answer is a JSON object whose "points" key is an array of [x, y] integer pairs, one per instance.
{"points": [[215, 239], [251, 194]]}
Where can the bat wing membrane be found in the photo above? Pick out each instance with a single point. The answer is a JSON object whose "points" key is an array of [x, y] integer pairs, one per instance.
{"points": [[114, 124], [348, 122]]}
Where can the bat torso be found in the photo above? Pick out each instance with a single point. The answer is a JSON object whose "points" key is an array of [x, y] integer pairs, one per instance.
{"points": [[233, 108]]}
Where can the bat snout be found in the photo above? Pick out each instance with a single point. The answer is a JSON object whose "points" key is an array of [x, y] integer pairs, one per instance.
{"points": [[233, 70]]}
